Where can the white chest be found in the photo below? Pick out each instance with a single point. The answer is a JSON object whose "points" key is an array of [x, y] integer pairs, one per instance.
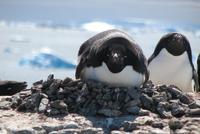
{"points": [[127, 77], [168, 69]]}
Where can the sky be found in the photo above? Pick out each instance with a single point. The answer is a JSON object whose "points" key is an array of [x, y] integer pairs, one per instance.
{"points": [[65, 11]]}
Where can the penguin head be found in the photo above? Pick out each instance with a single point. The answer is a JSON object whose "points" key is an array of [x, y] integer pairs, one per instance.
{"points": [[115, 57], [175, 43]]}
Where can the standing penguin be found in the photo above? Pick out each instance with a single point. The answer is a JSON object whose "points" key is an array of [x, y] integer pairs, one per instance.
{"points": [[171, 63], [114, 58]]}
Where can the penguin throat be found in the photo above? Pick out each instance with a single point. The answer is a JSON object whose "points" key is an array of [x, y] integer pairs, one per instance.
{"points": [[115, 67]]}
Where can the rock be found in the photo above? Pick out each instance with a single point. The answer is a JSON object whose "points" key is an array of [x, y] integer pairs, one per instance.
{"points": [[174, 91], [11, 87], [129, 126], [43, 105], [133, 103], [66, 131], [158, 125], [157, 131], [163, 110], [50, 128], [193, 112], [71, 125], [116, 132], [5, 104], [186, 99], [175, 124], [109, 112], [177, 110], [147, 102], [133, 110], [92, 131], [58, 104], [39, 130]]}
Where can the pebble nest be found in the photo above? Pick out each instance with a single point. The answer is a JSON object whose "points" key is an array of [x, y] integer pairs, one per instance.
{"points": [[56, 97]]}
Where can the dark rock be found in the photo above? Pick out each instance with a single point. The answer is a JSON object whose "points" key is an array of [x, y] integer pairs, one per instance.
{"points": [[133, 103], [129, 126], [147, 102], [186, 99], [177, 110], [163, 110], [16, 101], [11, 87], [133, 110], [158, 125], [58, 104], [193, 112], [109, 112], [65, 82], [92, 131], [174, 91], [175, 124], [160, 98]]}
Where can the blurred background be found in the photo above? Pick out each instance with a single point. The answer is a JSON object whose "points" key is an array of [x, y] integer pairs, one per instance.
{"points": [[42, 37]]}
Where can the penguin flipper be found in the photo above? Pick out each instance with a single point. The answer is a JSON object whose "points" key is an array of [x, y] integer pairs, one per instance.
{"points": [[196, 83]]}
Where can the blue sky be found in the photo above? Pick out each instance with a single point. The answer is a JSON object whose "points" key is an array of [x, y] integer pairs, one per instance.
{"points": [[62, 11]]}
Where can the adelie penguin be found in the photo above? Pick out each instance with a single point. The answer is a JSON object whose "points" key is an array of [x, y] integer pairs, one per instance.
{"points": [[114, 58], [171, 63]]}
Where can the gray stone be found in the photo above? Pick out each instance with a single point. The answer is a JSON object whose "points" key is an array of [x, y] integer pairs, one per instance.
{"points": [[109, 112], [133, 110], [58, 104], [174, 91], [66, 131], [91, 131], [50, 128], [39, 130], [175, 124], [133, 103], [158, 124], [147, 102], [177, 110], [43, 105], [193, 112], [5, 104], [186, 99], [71, 125], [129, 126]]}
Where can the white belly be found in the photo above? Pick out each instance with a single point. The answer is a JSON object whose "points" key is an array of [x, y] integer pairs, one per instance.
{"points": [[127, 77], [172, 70]]}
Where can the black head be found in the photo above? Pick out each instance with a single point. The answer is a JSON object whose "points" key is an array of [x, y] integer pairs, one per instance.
{"points": [[114, 57], [175, 43]]}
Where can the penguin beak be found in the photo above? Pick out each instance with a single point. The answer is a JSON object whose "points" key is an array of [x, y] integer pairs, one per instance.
{"points": [[115, 57]]}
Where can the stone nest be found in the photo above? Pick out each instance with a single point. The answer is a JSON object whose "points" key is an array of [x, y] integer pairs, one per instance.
{"points": [[56, 96]]}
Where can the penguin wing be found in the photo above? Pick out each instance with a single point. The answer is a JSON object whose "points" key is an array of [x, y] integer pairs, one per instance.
{"points": [[196, 83]]}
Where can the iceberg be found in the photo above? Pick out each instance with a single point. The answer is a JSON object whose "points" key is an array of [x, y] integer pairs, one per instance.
{"points": [[46, 60]]}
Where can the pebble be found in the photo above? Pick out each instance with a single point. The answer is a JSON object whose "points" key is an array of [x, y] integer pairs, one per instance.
{"points": [[175, 124]]}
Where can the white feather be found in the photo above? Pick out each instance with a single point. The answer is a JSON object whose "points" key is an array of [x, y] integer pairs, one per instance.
{"points": [[168, 69], [127, 77]]}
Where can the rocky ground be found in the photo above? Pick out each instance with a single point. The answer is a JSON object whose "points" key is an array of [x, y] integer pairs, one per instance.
{"points": [[73, 106]]}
